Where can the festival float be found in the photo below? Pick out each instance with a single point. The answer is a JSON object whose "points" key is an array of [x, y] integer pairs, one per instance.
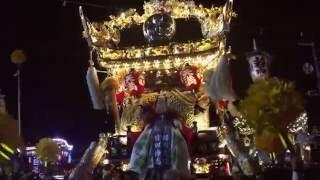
{"points": [[162, 95]]}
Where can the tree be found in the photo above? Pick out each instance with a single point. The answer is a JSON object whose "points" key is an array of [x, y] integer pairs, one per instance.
{"points": [[271, 105], [47, 150], [9, 132]]}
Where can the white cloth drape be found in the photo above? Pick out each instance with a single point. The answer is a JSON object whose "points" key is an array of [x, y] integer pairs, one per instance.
{"points": [[219, 85], [94, 88]]}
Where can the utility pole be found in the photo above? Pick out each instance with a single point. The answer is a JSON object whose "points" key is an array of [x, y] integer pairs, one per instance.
{"points": [[18, 57], [313, 101], [313, 93]]}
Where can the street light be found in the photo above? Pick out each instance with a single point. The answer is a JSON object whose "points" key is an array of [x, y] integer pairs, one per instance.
{"points": [[18, 57]]}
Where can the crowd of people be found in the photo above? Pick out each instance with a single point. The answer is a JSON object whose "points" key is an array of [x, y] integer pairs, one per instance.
{"points": [[18, 168]]}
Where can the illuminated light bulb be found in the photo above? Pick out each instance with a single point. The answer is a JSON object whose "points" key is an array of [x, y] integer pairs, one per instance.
{"points": [[299, 124], [198, 59], [117, 70], [156, 64], [105, 161], [138, 55], [177, 62], [167, 64], [136, 65], [126, 65], [94, 39], [195, 61], [158, 74], [124, 167], [146, 65], [307, 148]]}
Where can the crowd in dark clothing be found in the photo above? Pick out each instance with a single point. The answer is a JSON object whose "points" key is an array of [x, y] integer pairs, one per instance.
{"points": [[20, 170], [269, 174]]}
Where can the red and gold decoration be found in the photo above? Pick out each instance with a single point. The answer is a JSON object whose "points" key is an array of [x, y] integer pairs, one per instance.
{"points": [[221, 105], [158, 23], [164, 67], [162, 62], [190, 77], [120, 94], [201, 166], [134, 82]]}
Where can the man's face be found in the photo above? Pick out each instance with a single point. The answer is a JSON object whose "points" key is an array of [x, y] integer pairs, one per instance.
{"points": [[161, 106]]}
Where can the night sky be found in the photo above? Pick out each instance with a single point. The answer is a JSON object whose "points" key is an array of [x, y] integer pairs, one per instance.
{"points": [[55, 98]]}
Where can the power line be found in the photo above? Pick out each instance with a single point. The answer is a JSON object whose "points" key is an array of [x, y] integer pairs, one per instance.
{"points": [[66, 2]]}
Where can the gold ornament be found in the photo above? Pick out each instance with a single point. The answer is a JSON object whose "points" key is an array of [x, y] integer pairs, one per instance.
{"points": [[182, 102], [106, 36], [18, 57], [132, 112]]}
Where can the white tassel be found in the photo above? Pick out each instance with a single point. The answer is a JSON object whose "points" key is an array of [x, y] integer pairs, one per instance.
{"points": [[219, 85], [94, 90]]}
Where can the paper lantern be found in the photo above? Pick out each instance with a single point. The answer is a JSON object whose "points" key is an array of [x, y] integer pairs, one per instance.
{"points": [[259, 62], [190, 77]]}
